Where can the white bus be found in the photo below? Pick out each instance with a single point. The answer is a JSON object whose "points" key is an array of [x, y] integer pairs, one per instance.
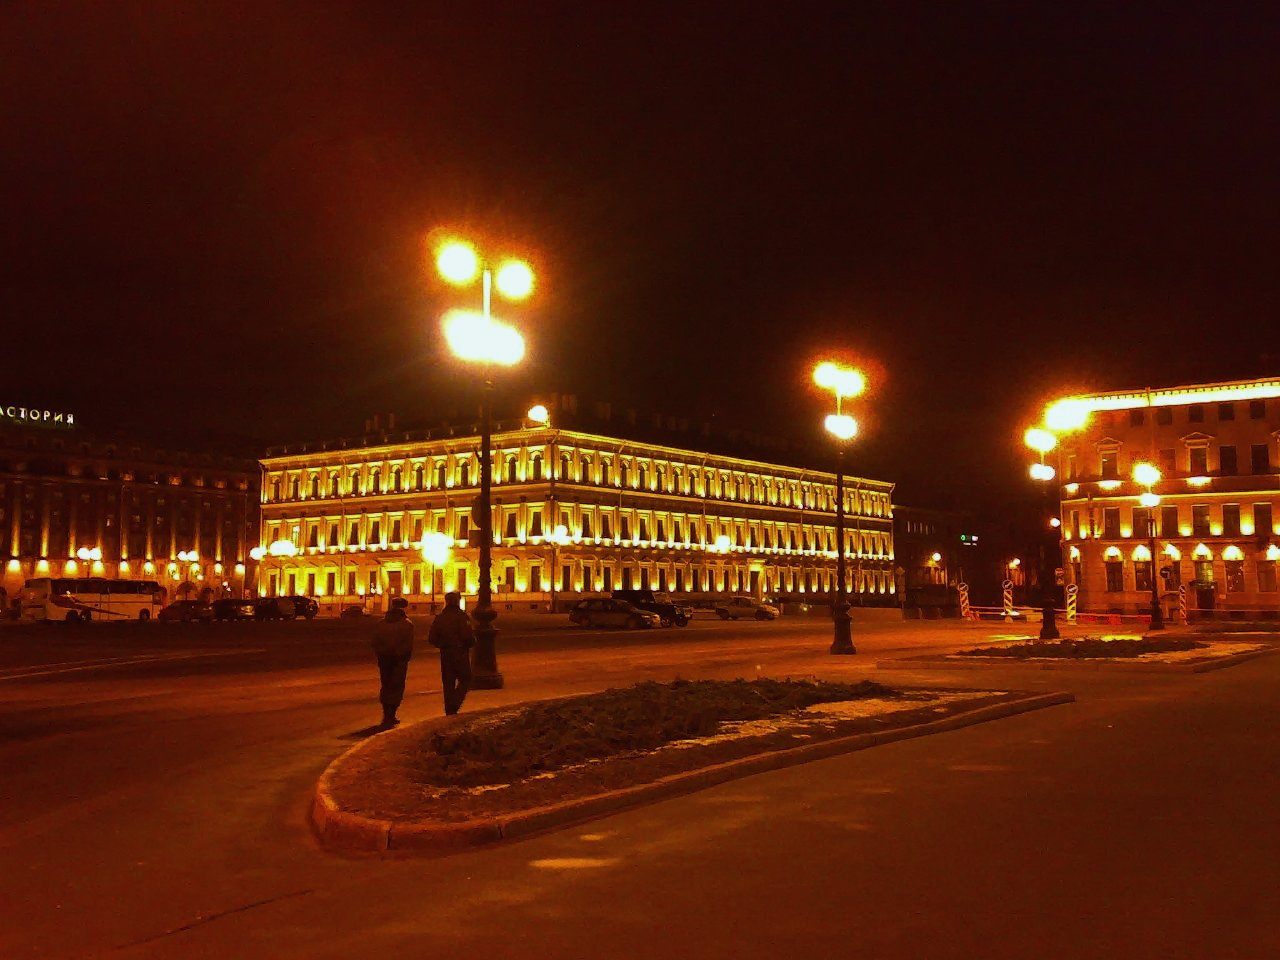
{"points": [[85, 599]]}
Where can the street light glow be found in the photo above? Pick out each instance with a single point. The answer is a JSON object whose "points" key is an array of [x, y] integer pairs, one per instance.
{"points": [[539, 414], [559, 535], [1147, 474], [1064, 416], [1149, 499], [514, 279], [473, 336], [1040, 440], [841, 426], [844, 381], [1042, 471], [458, 262], [436, 548]]}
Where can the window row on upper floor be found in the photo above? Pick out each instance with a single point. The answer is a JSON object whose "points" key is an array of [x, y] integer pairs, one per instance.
{"points": [[1195, 457], [1170, 520], [1226, 411], [462, 470]]}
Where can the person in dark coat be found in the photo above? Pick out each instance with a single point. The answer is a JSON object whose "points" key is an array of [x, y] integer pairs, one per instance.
{"points": [[451, 633], [393, 646]]}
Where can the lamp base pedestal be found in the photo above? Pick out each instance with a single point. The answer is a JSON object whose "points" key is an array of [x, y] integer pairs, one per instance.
{"points": [[842, 643]]}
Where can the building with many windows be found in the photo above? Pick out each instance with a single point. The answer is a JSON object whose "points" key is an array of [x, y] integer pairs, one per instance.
{"points": [[73, 506], [574, 514], [1215, 525]]}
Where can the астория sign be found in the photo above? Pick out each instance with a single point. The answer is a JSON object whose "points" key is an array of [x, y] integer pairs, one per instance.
{"points": [[38, 418]]}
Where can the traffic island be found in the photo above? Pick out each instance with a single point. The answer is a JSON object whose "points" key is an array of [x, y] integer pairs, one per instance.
{"points": [[1175, 653], [508, 772]]}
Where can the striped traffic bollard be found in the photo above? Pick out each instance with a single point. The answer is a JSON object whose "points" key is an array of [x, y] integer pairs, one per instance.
{"points": [[1007, 598], [1182, 603], [1072, 590], [963, 590]]}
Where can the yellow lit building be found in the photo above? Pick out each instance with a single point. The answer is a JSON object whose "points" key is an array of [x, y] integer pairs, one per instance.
{"points": [[1217, 523], [346, 524]]}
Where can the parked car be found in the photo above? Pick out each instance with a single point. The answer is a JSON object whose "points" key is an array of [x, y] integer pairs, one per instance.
{"points": [[285, 608], [611, 613], [353, 612], [738, 608], [229, 608], [186, 611], [670, 613]]}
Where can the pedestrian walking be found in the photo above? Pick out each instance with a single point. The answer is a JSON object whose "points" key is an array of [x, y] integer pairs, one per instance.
{"points": [[451, 633], [393, 646]]}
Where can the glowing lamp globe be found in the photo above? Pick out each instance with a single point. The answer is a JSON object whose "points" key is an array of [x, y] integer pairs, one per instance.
{"points": [[474, 337], [1064, 416], [1042, 472], [457, 262], [1149, 499], [1040, 440], [841, 426], [1146, 474], [722, 544], [560, 535], [844, 381], [514, 279], [436, 548], [539, 414]]}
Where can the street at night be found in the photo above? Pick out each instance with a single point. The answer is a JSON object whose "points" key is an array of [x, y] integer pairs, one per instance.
{"points": [[158, 809]]}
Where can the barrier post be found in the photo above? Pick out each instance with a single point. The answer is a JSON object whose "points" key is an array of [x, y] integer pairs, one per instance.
{"points": [[1182, 603], [1072, 590], [1007, 598], [962, 589]]}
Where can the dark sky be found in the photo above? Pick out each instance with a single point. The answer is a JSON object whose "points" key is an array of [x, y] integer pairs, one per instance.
{"points": [[214, 215]]}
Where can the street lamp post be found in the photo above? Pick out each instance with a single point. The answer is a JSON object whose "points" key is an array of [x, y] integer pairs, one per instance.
{"points": [[1042, 441], [481, 338], [558, 538], [1148, 475], [843, 382]]}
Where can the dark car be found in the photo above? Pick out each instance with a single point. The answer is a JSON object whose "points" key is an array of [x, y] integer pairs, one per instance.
{"points": [[669, 612], [285, 608], [186, 611], [228, 608], [611, 613]]}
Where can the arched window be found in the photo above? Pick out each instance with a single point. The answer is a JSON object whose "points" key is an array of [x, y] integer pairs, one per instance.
{"points": [[511, 469], [604, 473], [564, 466], [275, 489], [537, 466], [419, 477], [622, 475], [293, 488], [396, 485], [333, 485], [441, 475], [644, 478], [464, 474], [375, 481]]}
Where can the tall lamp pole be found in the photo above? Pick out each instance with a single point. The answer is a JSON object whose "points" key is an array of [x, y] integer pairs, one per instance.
{"points": [[1042, 441], [1148, 475], [843, 382], [482, 339]]}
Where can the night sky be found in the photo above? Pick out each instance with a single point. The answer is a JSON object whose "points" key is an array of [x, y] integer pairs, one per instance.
{"points": [[215, 215]]}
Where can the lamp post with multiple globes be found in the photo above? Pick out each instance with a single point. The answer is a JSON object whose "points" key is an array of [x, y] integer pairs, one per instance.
{"points": [[1148, 475], [843, 382], [480, 338], [1042, 441]]}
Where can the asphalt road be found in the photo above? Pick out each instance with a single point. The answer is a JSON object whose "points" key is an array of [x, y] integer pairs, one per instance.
{"points": [[153, 792]]}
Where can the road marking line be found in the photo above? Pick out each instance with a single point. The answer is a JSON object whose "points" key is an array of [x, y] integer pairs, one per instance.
{"points": [[122, 662]]}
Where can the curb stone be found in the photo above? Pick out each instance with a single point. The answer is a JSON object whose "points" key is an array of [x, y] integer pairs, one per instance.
{"points": [[1115, 666], [343, 830]]}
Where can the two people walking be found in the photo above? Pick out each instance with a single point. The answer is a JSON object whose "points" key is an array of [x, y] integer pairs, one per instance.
{"points": [[450, 633]]}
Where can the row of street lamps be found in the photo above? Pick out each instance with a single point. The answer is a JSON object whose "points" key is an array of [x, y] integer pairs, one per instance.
{"points": [[479, 337]]}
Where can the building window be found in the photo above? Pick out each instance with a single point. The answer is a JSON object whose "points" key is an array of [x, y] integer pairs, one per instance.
{"points": [[537, 466], [1137, 417], [1266, 576], [1226, 411], [1200, 520], [1111, 523], [441, 475], [351, 583], [566, 578], [1227, 461], [1164, 415], [395, 531], [1262, 522], [313, 536], [511, 470], [464, 474], [1141, 517], [1168, 521], [461, 580], [535, 523], [353, 533], [586, 525], [464, 528], [1235, 576], [535, 577], [604, 473], [293, 489], [1260, 458], [1198, 461], [1115, 576], [1204, 571], [1110, 467], [1257, 409], [644, 530], [509, 529], [1142, 575], [1231, 519], [1195, 413], [375, 532]]}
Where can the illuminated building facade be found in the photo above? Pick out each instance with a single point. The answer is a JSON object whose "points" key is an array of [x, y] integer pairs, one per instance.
{"points": [[574, 513], [1217, 522], [71, 506]]}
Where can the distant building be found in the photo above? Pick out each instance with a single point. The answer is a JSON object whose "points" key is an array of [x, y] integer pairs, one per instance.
{"points": [[72, 506], [345, 521], [1216, 523]]}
